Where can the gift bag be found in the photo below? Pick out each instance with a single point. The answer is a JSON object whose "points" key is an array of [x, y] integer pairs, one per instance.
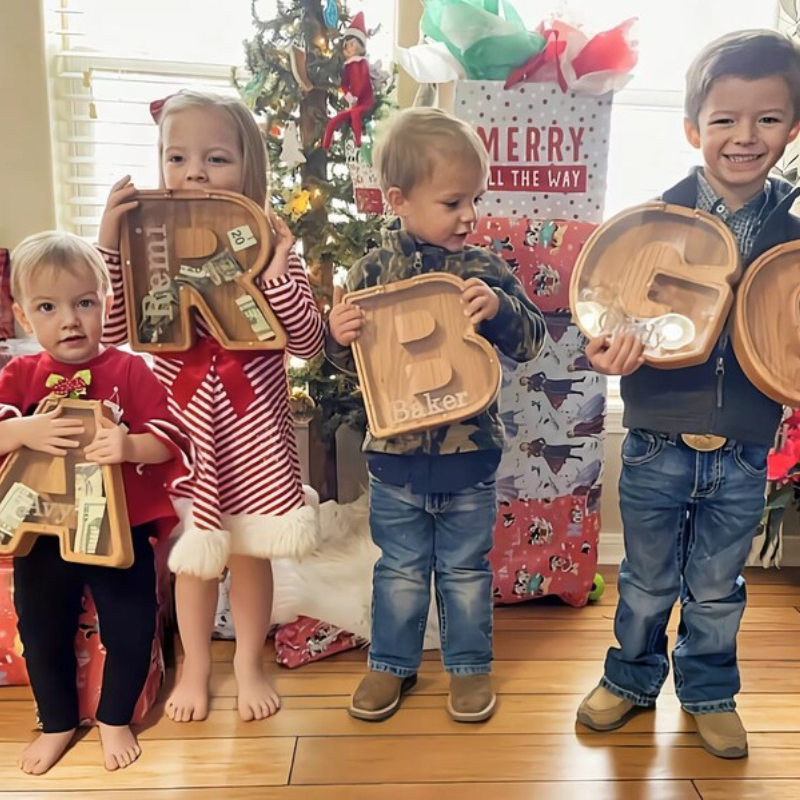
{"points": [[548, 150]]}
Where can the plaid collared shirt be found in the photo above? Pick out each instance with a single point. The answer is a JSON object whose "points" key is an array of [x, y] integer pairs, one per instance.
{"points": [[744, 223]]}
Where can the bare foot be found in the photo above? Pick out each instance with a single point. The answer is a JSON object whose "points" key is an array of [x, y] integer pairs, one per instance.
{"points": [[43, 752], [120, 748], [189, 699], [257, 696]]}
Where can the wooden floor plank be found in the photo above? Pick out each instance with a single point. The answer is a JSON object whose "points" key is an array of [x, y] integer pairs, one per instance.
{"points": [[602, 619], [596, 790], [335, 760], [592, 645], [748, 790], [179, 763]]}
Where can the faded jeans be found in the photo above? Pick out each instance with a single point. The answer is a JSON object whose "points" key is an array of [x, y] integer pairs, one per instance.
{"points": [[449, 536], [689, 520]]}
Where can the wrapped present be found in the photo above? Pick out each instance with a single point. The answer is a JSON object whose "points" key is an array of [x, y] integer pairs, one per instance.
{"points": [[546, 548], [553, 410], [306, 640], [12, 664], [542, 253], [89, 651]]}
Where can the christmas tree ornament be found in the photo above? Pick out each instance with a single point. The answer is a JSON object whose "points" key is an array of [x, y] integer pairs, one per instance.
{"points": [[291, 148], [366, 186], [297, 202], [331, 13], [356, 84], [297, 61]]}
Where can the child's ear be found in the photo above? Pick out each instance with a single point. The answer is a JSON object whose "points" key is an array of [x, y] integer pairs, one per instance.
{"points": [[107, 305], [396, 200], [793, 131], [692, 133], [22, 319]]}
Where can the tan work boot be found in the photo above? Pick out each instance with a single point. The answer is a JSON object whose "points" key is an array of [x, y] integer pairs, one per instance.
{"points": [[472, 698], [603, 711], [378, 696], [722, 734]]}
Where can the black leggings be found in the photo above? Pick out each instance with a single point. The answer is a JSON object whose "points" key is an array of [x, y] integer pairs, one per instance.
{"points": [[47, 596]]}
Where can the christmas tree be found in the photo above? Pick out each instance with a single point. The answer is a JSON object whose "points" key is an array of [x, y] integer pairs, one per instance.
{"points": [[296, 62]]}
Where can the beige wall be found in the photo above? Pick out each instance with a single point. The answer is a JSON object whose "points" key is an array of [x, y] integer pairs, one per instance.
{"points": [[408, 16], [26, 182]]}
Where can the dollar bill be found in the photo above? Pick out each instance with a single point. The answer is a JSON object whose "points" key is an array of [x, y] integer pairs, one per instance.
{"points": [[14, 508], [91, 513], [223, 266], [88, 482], [157, 313], [194, 276], [256, 319], [213, 273]]}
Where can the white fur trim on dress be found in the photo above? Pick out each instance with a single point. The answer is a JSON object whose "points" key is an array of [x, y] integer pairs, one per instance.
{"points": [[293, 534], [204, 553], [200, 552]]}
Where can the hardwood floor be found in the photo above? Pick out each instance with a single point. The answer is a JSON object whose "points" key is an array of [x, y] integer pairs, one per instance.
{"points": [[548, 657]]}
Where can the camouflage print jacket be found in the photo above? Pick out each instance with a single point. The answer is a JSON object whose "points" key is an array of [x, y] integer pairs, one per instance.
{"points": [[518, 331]]}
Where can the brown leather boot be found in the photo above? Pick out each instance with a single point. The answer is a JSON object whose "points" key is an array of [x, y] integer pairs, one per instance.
{"points": [[378, 695], [722, 734], [472, 698], [603, 711]]}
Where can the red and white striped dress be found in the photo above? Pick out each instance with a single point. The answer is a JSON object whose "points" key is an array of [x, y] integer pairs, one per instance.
{"points": [[246, 496]]}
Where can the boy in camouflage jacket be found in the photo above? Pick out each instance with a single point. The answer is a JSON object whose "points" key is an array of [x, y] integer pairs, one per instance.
{"points": [[432, 494]]}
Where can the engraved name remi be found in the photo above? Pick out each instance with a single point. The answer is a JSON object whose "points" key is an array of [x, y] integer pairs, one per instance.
{"points": [[402, 410], [158, 302]]}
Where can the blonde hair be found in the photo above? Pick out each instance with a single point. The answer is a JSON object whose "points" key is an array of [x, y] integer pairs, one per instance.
{"points": [[412, 142], [55, 250], [254, 152]]}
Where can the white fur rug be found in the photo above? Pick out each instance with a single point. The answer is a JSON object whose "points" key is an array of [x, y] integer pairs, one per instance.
{"points": [[334, 584]]}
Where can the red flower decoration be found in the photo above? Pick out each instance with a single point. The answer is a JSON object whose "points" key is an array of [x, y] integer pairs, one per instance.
{"points": [[784, 464]]}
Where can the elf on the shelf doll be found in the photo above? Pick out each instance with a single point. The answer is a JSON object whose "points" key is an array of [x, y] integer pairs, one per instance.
{"points": [[356, 81]]}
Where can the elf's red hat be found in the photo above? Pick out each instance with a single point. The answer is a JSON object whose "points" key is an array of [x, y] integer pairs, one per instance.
{"points": [[357, 28]]}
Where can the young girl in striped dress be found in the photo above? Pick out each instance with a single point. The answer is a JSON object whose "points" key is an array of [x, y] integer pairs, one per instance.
{"points": [[246, 504]]}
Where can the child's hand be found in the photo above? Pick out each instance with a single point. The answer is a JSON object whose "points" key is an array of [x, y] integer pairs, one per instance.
{"points": [[119, 203], [620, 355], [109, 444], [345, 320], [282, 240], [480, 301], [48, 433]]}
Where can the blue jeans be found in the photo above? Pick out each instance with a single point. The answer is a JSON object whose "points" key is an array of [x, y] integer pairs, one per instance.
{"points": [[689, 519], [449, 535]]}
